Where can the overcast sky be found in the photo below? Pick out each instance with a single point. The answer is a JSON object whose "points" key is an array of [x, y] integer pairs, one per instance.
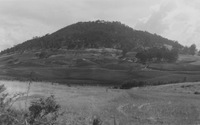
{"points": [[21, 20]]}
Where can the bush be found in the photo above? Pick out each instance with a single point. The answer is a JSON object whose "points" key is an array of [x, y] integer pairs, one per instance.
{"points": [[42, 55], [196, 93], [8, 116], [96, 121], [41, 112], [132, 83]]}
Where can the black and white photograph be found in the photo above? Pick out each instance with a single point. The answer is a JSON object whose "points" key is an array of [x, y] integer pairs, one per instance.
{"points": [[99, 62]]}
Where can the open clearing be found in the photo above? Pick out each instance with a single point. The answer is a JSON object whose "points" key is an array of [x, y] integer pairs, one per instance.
{"points": [[174, 104]]}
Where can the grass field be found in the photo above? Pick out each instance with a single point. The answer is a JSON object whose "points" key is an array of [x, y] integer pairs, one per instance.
{"points": [[85, 67], [174, 104], [87, 79]]}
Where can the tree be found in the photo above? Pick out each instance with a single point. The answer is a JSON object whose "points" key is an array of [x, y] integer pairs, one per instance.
{"points": [[126, 48], [192, 49], [172, 55], [185, 50], [142, 56], [157, 54]]}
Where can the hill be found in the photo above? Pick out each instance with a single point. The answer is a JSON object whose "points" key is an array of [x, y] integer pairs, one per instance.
{"points": [[91, 53], [96, 34]]}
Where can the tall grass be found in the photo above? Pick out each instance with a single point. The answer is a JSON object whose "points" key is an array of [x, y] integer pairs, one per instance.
{"points": [[42, 111]]}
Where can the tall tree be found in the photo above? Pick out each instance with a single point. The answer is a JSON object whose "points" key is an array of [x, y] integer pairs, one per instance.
{"points": [[192, 49]]}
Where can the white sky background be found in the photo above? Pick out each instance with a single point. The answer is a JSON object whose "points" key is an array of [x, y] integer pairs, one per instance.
{"points": [[21, 20]]}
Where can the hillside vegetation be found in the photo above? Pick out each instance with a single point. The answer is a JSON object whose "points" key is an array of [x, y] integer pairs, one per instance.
{"points": [[96, 34], [103, 53]]}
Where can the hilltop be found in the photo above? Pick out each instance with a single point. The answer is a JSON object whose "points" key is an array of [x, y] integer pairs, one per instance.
{"points": [[96, 34]]}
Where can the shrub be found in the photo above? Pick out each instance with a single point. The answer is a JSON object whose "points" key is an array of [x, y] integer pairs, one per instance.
{"points": [[132, 83], [8, 116], [41, 112], [42, 55], [196, 93], [96, 121]]}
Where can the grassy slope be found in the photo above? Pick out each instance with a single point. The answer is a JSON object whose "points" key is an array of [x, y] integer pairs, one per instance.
{"points": [[184, 63], [156, 105], [85, 67]]}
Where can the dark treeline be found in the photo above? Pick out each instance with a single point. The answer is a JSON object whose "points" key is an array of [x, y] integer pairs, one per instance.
{"points": [[156, 54], [95, 34], [189, 50]]}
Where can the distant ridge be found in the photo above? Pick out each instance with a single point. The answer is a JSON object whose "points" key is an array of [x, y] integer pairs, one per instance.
{"points": [[94, 34]]}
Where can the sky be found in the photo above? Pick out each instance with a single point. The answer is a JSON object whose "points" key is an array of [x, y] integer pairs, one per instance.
{"points": [[21, 20]]}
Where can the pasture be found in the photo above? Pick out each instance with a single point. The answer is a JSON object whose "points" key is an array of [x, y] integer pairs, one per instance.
{"points": [[96, 68], [174, 104]]}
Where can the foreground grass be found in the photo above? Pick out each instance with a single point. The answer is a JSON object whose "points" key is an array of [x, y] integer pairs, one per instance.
{"points": [[42, 111], [151, 105]]}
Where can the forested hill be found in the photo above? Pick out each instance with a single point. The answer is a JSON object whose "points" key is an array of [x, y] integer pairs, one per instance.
{"points": [[94, 34]]}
